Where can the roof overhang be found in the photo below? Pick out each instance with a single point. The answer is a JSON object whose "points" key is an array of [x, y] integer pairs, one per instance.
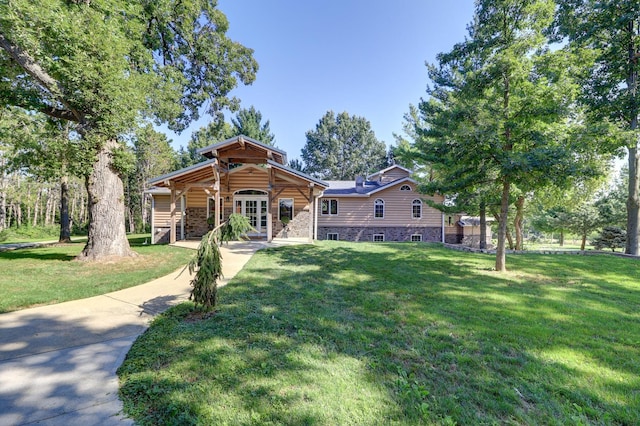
{"points": [[197, 173], [243, 149]]}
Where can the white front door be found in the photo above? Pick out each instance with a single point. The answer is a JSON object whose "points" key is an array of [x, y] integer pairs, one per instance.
{"points": [[255, 209]]}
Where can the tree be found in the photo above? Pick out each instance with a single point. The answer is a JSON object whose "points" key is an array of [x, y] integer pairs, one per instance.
{"points": [[584, 220], [342, 147], [154, 156], [501, 107], [611, 237], [213, 132], [45, 147], [248, 122], [161, 60], [610, 33]]}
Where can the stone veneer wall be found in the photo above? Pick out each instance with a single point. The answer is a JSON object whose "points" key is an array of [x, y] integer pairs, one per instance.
{"points": [[391, 233], [162, 235], [195, 222], [453, 238], [298, 227]]}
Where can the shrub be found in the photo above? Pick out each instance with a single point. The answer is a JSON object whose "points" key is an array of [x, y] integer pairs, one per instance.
{"points": [[610, 237]]}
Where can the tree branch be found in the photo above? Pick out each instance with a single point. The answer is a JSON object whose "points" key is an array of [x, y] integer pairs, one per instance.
{"points": [[31, 67]]}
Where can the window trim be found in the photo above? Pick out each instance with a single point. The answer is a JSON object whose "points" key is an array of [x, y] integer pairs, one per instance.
{"points": [[293, 204], [337, 238], [416, 235], [413, 206], [328, 213], [378, 202], [373, 238]]}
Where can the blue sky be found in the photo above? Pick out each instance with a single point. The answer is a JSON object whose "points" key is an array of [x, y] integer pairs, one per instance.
{"points": [[365, 57]]}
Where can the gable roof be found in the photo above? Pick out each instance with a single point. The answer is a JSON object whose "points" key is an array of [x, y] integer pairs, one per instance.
{"points": [[269, 152], [298, 173], [205, 168], [347, 188], [383, 171]]}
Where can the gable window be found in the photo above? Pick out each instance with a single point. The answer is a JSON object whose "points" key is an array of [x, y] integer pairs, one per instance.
{"points": [[378, 209], [416, 238], [378, 238], [416, 209], [285, 209], [405, 188], [329, 207], [333, 236]]}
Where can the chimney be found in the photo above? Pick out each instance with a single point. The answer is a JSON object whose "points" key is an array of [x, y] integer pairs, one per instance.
{"points": [[359, 184]]}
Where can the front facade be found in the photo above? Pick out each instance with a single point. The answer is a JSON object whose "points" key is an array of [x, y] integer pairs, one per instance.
{"points": [[242, 176], [384, 206]]}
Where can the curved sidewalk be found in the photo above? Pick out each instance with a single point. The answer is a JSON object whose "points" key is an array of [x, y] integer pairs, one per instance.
{"points": [[58, 362]]}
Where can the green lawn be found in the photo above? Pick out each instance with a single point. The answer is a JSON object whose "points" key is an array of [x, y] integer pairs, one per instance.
{"points": [[48, 275], [368, 334]]}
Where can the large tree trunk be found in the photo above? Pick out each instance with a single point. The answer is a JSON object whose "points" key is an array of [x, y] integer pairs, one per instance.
{"points": [[65, 223], [633, 202], [106, 236], [517, 222], [501, 258], [483, 226]]}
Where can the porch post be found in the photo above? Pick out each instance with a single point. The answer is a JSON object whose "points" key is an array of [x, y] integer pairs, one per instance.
{"points": [[172, 208], [216, 189], [269, 202], [311, 206]]}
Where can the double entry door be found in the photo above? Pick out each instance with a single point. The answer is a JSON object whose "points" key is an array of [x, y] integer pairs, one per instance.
{"points": [[254, 207]]}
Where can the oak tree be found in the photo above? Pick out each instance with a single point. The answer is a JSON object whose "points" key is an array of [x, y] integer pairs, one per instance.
{"points": [[103, 66]]}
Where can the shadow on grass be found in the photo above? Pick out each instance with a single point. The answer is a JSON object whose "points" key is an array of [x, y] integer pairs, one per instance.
{"points": [[427, 335], [40, 253]]}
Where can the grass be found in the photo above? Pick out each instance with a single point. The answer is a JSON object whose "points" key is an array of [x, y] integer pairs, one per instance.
{"points": [[50, 274], [369, 334]]}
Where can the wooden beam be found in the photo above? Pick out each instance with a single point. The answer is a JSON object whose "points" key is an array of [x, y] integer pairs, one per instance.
{"points": [[270, 199], [172, 222], [310, 213]]}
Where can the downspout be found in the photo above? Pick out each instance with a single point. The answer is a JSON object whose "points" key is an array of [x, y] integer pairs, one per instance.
{"points": [[443, 239], [315, 215]]}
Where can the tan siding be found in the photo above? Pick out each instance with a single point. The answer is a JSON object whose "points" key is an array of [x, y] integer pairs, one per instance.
{"points": [[241, 180], [354, 211], [162, 212], [196, 197], [394, 174]]}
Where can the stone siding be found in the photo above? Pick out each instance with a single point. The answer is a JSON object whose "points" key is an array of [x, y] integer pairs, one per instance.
{"points": [[391, 233], [162, 235], [196, 222], [297, 228], [453, 238]]}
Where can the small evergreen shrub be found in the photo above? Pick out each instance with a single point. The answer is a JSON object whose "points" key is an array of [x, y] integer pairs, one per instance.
{"points": [[611, 237]]}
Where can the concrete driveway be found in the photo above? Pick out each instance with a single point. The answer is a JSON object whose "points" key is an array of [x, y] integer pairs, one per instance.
{"points": [[58, 363]]}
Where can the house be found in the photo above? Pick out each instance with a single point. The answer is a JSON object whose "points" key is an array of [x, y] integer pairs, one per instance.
{"points": [[242, 175], [384, 206]]}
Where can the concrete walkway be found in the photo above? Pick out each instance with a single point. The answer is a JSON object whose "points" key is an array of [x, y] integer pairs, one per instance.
{"points": [[58, 363]]}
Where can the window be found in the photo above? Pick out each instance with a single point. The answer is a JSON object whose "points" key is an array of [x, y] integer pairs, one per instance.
{"points": [[416, 238], [378, 238], [378, 209], [330, 207], [333, 236], [416, 209], [285, 209], [405, 188]]}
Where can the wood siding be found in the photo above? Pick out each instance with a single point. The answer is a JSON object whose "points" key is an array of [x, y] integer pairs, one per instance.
{"points": [[394, 174], [162, 211], [358, 211]]}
